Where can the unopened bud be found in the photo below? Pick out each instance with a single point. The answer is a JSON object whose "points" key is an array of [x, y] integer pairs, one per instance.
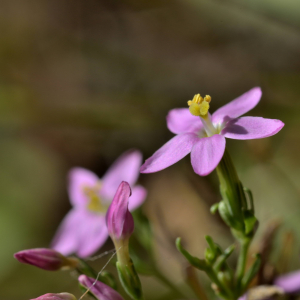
{"points": [[62, 296], [46, 259], [100, 290], [119, 220]]}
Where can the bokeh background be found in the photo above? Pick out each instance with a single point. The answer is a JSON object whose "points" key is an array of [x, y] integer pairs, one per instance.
{"points": [[83, 81]]}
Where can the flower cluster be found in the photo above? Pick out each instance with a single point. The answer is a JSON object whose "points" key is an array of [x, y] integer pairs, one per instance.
{"points": [[101, 207]]}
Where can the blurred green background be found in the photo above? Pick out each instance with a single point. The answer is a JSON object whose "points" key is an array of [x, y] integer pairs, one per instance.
{"points": [[83, 81]]}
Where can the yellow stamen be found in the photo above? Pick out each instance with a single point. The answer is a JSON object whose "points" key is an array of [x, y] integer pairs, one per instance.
{"points": [[199, 106], [95, 204]]}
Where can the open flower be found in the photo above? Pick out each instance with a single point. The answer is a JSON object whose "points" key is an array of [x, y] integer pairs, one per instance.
{"points": [[203, 135], [100, 290], [83, 231]]}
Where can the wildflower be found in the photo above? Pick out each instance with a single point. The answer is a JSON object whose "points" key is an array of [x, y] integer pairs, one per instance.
{"points": [[120, 226], [100, 290], [203, 135], [83, 231], [62, 296], [46, 259]]}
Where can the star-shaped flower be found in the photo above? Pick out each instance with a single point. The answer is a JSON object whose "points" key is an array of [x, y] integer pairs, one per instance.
{"points": [[83, 231], [203, 135]]}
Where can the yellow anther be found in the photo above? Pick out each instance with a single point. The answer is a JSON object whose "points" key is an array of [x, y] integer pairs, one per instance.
{"points": [[95, 203], [195, 109], [204, 107], [199, 106], [207, 98]]}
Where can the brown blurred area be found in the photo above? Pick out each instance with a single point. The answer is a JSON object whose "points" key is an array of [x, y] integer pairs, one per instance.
{"points": [[83, 81]]}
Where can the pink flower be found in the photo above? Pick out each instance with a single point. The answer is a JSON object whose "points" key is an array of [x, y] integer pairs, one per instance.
{"points": [[290, 282], [100, 290], [83, 231], [119, 220], [46, 259], [62, 296], [204, 136]]}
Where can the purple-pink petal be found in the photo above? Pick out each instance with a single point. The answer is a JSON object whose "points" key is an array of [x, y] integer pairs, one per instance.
{"points": [[44, 258], [92, 234], [248, 128], [137, 197], [119, 220], [100, 290], [50, 296], [78, 179], [180, 120], [125, 168], [207, 153], [290, 283], [237, 107], [66, 238], [170, 153], [81, 232]]}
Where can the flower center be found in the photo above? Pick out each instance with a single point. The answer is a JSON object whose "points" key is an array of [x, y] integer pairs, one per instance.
{"points": [[199, 107], [95, 203]]}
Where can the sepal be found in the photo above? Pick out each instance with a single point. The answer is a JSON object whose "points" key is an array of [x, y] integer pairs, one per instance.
{"points": [[130, 280]]}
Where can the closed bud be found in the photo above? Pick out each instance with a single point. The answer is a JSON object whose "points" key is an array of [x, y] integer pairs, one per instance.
{"points": [[100, 290], [62, 296], [46, 259], [119, 220]]}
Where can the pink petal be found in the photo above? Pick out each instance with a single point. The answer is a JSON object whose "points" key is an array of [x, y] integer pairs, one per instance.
{"points": [[119, 220], [180, 120], [92, 234], [290, 283], [248, 128], [78, 179], [237, 107], [99, 289], [137, 198], [66, 238], [170, 153], [81, 232], [207, 153], [125, 168]]}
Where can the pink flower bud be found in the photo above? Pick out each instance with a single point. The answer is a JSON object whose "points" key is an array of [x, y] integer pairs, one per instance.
{"points": [[119, 220], [46, 259], [62, 296], [100, 290]]}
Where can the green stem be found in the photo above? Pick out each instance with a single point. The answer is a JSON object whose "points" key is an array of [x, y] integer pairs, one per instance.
{"points": [[242, 260]]}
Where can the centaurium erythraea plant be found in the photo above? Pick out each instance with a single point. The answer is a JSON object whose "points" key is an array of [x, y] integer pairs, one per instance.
{"points": [[83, 231], [203, 135]]}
